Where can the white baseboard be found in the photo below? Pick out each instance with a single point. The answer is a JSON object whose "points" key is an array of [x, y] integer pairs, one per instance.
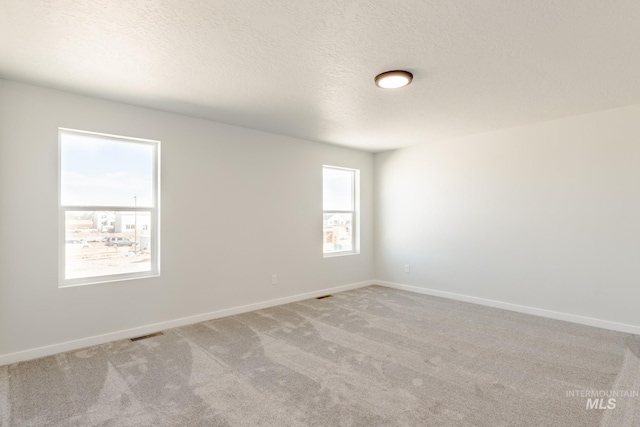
{"points": [[582, 320], [49, 350]]}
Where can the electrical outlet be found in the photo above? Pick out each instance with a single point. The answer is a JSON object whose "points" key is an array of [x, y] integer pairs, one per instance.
{"points": [[407, 268], [274, 279]]}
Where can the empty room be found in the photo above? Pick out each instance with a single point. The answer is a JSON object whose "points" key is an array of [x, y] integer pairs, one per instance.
{"points": [[319, 213]]}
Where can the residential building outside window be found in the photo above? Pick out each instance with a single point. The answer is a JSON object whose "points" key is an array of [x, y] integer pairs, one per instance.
{"points": [[109, 207], [340, 188]]}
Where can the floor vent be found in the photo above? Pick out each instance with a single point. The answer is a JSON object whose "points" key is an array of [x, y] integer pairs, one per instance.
{"points": [[146, 336], [324, 296]]}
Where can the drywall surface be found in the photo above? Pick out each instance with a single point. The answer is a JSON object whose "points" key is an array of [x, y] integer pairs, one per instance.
{"points": [[544, 216], [237, 206]]}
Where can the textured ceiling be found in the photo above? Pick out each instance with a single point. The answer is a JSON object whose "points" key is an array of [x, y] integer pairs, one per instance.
{"points": [[306, 68]]}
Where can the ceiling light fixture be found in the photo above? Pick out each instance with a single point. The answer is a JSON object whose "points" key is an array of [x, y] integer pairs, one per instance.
{"points": [[393, 79]]}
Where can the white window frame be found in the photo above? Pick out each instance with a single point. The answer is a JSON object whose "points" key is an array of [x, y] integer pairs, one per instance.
{"points": [[154, 213], [355, 194]]}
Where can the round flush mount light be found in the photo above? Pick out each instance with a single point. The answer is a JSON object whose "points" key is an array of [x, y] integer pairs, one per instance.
{"points": [[393, 79]]}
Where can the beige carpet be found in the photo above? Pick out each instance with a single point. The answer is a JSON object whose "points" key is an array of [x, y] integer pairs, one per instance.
{"points": [[369, 357]]}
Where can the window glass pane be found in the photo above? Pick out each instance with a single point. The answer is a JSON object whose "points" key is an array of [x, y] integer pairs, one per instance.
{"points": [[338, 231], [101, 243], [99, 171], [337, 189]]}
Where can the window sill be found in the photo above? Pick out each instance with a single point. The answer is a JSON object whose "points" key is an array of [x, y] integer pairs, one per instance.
{"points": [[339, 254], [72, 283]]}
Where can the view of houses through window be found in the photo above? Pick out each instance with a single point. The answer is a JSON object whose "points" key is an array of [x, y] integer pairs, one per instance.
{"points": [[339, 188], [99, 243], [108, 202]]}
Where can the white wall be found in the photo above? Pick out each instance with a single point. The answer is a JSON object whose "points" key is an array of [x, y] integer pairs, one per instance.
{"points": [[545, 216], [256, 197]]}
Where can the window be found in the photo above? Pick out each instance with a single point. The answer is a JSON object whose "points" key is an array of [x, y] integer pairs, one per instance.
{"points": [[109, 198], [340, 215]]}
